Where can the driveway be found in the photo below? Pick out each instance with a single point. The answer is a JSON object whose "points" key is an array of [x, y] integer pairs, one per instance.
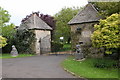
{"points": [[34, 67]]}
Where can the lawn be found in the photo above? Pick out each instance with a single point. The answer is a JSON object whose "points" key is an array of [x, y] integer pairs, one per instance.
{"points": [[66, 47], [87, 70], [9, 56]]}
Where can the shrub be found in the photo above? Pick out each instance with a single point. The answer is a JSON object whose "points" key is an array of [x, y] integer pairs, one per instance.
{"points": [[24, 40], [2, 41], [56, 46], [105, 63], [107, 34], [90, 51]]}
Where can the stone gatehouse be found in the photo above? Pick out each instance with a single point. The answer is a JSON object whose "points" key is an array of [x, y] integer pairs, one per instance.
{"points": [[82, 25], [41, 30]]}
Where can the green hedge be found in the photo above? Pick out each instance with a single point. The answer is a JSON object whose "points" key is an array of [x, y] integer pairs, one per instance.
{"points": [[105, 63], [56, 46]]}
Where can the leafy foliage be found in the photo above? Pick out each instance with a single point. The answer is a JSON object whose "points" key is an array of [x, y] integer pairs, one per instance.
{"points": [[62, 18], [49, 20], [2, 41], [7, 31], [105, 63], [56, 46], [107, 34], [24, 41], [107, 8], [4, 17]]}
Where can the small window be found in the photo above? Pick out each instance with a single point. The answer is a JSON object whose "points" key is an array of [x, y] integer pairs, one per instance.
{"points": [[78, 30]]}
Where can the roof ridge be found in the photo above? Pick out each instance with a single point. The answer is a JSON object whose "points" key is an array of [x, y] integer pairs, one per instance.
{"points": [[42, 21], [28, 16], [34, 22], [85, 14]]}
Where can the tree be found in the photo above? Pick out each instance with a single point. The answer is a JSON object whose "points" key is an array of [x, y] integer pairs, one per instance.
{"points": [[49, 20], [24, 41], [62, 18], [2, 41], [107, 8], [4, 17], [107, 34], [7, 31]]}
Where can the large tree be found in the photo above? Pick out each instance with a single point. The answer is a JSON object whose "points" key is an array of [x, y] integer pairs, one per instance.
{"points": [[4, 17], [107, 8], [7, 30], [62, 18], [50, 21], [107, 34]]}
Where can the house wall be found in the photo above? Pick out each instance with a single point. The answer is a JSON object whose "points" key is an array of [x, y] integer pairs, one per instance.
{"points": [[82, 35], [43, 41], [32, 45]]}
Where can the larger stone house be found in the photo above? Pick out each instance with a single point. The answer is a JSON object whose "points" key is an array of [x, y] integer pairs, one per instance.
{"points": [[82, 25], [42, 33]]}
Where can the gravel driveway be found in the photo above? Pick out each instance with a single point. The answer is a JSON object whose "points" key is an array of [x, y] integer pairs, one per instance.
{"points": [[34, 67]]}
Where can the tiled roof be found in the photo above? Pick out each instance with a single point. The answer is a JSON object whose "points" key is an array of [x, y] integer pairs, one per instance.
{"points": [[88, 14], [34, 22]]}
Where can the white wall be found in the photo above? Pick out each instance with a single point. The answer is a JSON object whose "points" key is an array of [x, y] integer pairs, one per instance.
{"points": [[42, 34]]}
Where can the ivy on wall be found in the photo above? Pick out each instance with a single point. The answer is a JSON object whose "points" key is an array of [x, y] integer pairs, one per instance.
{"points": [[24, 41]]}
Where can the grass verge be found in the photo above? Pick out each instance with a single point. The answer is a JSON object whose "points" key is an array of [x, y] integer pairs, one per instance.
{"points": [[9, 56], [87, 70]]}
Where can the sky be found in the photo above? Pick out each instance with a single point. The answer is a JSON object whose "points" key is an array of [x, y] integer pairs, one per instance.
{"points": [[18, 9]]}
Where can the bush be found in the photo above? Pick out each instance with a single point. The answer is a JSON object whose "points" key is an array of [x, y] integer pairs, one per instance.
{"points": [[24, 40], [56, 46], [66, 47], [107, 34], [7, 48], [2, 41], [105, 63], [92, 52]]}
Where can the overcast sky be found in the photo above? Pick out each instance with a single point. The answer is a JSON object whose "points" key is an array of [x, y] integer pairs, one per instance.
{"points": [[18, 9]]}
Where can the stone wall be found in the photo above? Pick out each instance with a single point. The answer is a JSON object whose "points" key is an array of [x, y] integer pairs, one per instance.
{"points": [[32, 44], [81, 33], [43, 41]]}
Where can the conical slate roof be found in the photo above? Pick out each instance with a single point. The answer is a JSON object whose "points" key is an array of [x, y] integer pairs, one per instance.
{"points": [[34, 22], [88, 14]]}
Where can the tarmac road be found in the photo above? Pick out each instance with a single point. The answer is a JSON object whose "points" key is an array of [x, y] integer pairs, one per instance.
{"points": [[35, 67]]}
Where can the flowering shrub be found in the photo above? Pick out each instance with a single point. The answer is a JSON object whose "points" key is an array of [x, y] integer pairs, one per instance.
{"points": [[2, 41], [107, 34]]}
